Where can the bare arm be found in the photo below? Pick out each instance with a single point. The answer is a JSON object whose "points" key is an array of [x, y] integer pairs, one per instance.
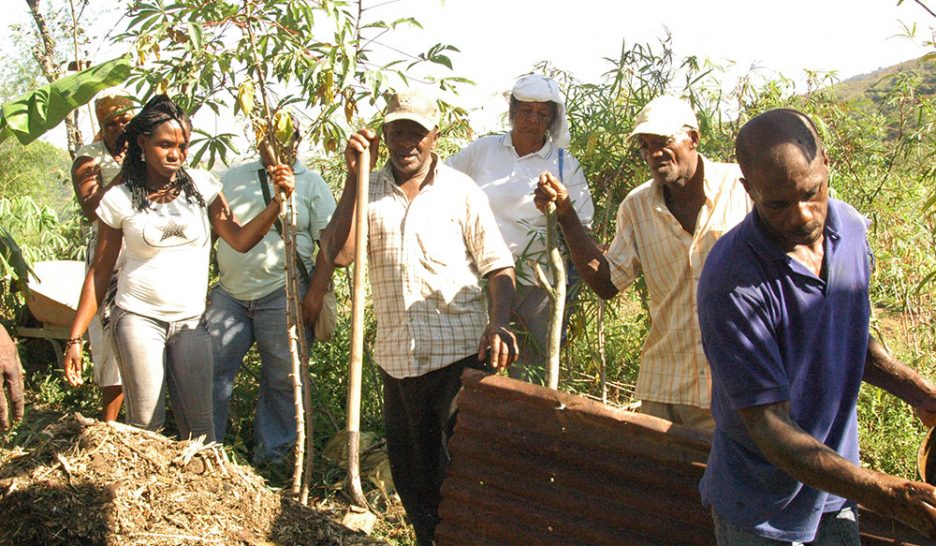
{"points": [[89, 186], [338, 239], [497, 336], [884, 371], [318, 286], [244, 237], [788, 447], [92, 292], [589, 260]]}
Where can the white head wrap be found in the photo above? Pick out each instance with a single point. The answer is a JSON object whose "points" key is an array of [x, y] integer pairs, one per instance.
{"points": [[536, 88]]}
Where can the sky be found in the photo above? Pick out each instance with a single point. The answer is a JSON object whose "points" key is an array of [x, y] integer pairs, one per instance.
{"points": [[502, 39]]}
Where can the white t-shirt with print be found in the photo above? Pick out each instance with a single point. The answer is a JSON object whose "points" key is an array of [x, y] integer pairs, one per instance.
{"points": [[167, 248]]}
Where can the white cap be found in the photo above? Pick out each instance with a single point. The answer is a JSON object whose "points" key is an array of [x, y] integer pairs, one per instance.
{"points": [[536, 88], [665, 116]]}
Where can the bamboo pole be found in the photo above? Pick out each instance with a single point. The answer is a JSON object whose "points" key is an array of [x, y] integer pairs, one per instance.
{"points": [[556, 292], [355, 366]]}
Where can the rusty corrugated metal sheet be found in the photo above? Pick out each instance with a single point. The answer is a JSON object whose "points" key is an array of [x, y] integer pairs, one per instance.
{"points": [[535, 466]]}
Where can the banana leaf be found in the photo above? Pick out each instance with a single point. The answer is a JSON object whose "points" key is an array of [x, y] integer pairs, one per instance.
{"points": [[30, 115], [12, 262]]}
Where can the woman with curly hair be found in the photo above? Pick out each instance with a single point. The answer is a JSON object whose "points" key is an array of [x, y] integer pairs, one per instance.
{"points": [[163, 214]]}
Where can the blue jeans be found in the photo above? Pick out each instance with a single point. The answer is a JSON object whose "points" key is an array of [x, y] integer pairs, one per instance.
{"points": [[234, 325], [835, 529], [155, 356]]}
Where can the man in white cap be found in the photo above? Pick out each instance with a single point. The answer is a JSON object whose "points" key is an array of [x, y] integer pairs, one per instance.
{"points": [[665, 229], [431, 238], [507, 168], [94, 170]]}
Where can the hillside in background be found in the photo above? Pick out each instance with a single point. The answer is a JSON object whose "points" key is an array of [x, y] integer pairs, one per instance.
{"points": [[39, 170], [874, 84]]}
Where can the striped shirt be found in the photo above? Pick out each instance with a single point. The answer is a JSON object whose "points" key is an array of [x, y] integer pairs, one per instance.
{"points": [[425, 261], [673, 368]]}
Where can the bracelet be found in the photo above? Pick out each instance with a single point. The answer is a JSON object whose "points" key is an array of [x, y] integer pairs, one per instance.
{"points": [[72, 341]]}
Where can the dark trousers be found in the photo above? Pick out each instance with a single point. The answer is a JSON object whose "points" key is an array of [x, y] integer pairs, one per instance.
{"points": [[419, 418]]}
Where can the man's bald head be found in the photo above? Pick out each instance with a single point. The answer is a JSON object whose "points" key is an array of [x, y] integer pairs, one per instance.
{"points": [[775, 138], [786, 174]]}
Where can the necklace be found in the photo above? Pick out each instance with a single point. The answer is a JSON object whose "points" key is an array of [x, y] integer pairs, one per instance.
{"points": [[163, 188]]}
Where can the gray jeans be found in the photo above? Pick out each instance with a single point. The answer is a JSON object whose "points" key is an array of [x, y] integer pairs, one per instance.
{"points": [[157, 356], [835, 529], [531, 318]]}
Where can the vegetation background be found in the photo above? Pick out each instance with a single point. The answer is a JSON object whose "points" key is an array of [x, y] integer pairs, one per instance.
{"points": [[878, 131]]}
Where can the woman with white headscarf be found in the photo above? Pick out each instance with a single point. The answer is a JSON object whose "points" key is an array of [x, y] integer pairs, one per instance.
{"points": [[507, 167]]}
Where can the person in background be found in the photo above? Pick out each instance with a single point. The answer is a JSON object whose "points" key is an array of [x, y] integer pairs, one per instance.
{"points": [[507, 168], [431, 239], [784, 310], [163, 214], [249, 302], [665, 229], [94, 171]]}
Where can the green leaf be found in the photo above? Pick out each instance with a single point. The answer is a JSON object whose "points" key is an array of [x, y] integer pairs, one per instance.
{"points": [[30, 115], [283, 127], [443, 60], [15, 264], [197, 37], [926, 280]]}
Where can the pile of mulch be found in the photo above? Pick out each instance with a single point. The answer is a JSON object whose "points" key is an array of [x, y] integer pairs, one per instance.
{"points": [[96, 483]]}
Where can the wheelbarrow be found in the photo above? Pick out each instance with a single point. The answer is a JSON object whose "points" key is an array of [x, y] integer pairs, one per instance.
{"points": [[52, 302]]}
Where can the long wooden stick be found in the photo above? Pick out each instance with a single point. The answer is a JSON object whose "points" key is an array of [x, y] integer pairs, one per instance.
{"points": [[603, 367], [357, 332]]}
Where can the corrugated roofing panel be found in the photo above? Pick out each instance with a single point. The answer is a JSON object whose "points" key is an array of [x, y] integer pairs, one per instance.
{"points": [[536, 466]]}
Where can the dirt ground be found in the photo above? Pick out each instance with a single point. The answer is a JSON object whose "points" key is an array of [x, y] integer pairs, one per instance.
{"points": [[109, 484]]}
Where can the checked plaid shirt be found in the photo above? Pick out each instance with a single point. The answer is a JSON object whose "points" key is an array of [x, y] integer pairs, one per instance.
{"points": [[425, 259]]}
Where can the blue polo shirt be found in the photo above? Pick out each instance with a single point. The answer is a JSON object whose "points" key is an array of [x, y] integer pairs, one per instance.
{"points": [[774, 332]]}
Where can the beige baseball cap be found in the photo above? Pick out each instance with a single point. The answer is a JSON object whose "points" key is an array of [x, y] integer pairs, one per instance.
{"points": [[414, 106], [666, 116]]}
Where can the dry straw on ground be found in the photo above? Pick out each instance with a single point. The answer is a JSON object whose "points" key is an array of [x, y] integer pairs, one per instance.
{"points": [[96, 483]]}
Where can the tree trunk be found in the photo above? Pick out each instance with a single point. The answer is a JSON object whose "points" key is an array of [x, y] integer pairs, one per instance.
{"points": [[44, 53]]}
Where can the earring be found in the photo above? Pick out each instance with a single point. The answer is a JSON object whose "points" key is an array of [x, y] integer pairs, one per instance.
{"points": [[142, 157]]}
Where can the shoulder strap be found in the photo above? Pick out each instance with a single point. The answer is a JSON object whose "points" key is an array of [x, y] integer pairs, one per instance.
{"points": [[561, 156], [265, 188]]}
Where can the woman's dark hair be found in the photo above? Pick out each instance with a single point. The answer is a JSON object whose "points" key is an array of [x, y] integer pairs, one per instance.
{"points": [[157, 111]]}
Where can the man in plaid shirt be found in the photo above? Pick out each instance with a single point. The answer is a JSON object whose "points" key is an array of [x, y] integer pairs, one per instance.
{"points": [[431, 238]]}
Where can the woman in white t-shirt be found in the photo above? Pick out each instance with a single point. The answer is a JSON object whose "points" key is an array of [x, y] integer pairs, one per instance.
{"points": [[163, 214]]}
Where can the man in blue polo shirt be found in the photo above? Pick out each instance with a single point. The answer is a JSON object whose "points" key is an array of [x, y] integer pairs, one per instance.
{"points": [[784, 312]]}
